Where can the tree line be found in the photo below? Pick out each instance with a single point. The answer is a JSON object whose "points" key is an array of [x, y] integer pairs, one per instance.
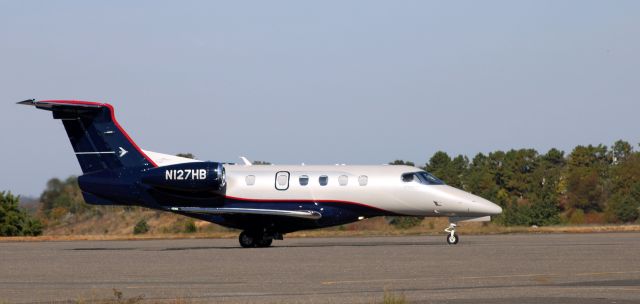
{"points": [[15, 221], [591, 184]]}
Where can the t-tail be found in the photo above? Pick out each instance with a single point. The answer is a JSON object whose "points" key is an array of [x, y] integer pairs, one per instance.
{"points": [[117, 172], [106, 153], [96, 137]]}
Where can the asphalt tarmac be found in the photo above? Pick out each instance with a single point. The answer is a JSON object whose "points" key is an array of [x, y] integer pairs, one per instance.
{"points": [[522, 268]]}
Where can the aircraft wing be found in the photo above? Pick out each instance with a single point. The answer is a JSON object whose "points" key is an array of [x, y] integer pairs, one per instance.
{"points": [[303, 214], [455, 219]]}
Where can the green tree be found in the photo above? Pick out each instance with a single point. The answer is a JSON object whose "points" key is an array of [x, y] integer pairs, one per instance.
{"points": [[587, 171], [15, 221], [399, 162], [621, 150], [585, 189], [260, 162], [186, 155], [63, 197], [439, 165], [190, 226], [458, 169], [623, 209], [543, 213], [141, 227], [545, 188], [404, 222], [625, 173], [517, 168], [480, 178]]}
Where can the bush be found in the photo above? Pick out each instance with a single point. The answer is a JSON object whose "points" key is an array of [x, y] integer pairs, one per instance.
{"points": [[190, 227], [577, 217], [405, 222], [543, 213], [623, 209], [540, 213], [141, 227], [15, 221]]}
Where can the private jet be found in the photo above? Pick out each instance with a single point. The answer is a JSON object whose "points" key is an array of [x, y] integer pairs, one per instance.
{"points": [[264, 201]]}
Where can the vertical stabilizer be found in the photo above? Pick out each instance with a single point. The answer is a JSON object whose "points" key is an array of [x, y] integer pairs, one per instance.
{"points": [[98, 141]]}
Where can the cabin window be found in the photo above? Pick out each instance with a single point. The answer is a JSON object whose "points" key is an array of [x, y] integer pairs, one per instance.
{"points": [[250, 180], [363, 180], [304, 180], [323, 180], [343, 180]]}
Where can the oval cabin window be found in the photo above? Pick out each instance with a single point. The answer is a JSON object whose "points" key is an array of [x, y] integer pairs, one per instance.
{"points": [[343, 180], [363, 180], [323, 180], [250, 180], [304, 180]]}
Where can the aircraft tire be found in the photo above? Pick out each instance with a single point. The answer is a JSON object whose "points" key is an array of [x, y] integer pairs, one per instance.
{"points": [[247, 240], [265, 242], [452, 239]]}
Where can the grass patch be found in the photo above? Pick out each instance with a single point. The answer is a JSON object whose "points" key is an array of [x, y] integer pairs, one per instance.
{"points": [[369, 227], [390, 297]]}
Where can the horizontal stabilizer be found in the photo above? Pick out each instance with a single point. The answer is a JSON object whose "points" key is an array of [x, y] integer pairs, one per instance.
{"points": [[50, 104], [304, 214], [28, 102]]}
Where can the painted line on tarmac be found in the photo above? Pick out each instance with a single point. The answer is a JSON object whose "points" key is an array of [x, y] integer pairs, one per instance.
{"points": [[529, 275], [513, 276], [554, 275], [368, 281], [606, 273]]}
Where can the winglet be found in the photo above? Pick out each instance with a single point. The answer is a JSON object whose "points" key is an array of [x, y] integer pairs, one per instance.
{"points": [[28, 102], [245, 161]]}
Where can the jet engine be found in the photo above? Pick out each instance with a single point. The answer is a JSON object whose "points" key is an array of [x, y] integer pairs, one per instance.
{"points": [[188, 177]]}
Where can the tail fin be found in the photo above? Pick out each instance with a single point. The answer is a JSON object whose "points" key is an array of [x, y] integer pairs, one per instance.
{"points": [[97, 139]]}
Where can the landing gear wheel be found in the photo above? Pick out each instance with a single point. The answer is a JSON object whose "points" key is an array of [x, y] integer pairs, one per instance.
{"points": [[247, 240], [266, 242], [452, 239], [452, 236]]}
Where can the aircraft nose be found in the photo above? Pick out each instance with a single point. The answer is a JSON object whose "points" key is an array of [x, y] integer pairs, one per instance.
{"points": [[494, 209], [467, 202], [490, 208]]}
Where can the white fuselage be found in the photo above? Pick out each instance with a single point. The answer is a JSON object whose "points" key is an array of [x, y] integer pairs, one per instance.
{"points": [[379, 187]]}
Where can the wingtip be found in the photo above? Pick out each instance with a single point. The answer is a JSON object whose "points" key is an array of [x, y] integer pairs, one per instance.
{"points": [[28, 102]]}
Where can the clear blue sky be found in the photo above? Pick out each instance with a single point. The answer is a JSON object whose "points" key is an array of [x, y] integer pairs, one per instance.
{"points": [[351, 82]]}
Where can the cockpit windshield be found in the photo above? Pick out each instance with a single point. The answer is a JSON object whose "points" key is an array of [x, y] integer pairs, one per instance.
{"points": [[421, 177]]}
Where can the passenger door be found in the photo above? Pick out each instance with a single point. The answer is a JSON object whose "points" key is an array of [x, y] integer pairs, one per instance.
{"points": [[282, 180]]}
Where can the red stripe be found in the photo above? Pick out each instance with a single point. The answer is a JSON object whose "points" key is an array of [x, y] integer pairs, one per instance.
{"points": [[303, 201], [113, 118]]}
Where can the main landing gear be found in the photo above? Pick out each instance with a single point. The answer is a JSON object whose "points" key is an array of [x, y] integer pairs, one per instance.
{"points": [[452, 236], [259, 239]]}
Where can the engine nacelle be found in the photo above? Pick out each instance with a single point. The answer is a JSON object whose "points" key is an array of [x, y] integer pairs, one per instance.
{"points": [[188, 177]]}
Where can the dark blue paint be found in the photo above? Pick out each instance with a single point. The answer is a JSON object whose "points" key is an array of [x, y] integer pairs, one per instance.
{"points": [[133, 179]]}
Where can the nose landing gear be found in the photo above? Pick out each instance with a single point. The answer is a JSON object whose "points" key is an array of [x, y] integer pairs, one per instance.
{"points": [[452, 236]]}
